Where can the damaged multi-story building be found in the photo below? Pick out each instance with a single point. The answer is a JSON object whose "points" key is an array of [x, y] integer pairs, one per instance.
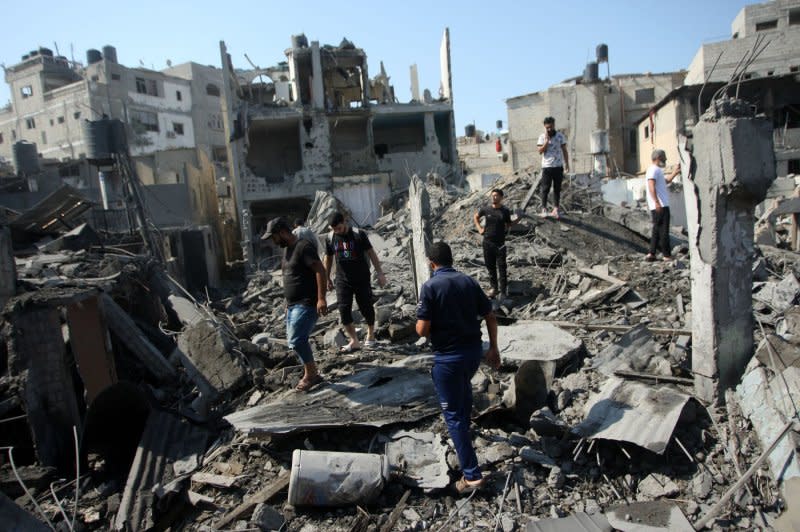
{"points": [[760, 63], [319, 121]]}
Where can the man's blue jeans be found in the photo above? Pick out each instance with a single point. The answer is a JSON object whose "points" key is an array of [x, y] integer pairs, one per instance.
{"points": [[300, 319], [452, 373]]}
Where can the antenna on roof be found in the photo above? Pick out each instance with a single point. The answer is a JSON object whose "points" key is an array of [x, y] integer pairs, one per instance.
{"points": [[55, 45]]}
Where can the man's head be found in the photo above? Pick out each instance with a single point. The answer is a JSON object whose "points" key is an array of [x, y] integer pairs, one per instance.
{"points": [[338, 224], [550, 125], [279, 231], [659, 157], [298, 222], [497, 197], [440, 255]]}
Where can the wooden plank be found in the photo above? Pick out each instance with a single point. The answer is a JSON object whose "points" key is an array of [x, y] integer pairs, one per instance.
{"points": [[396, 513], [652, 377], [262, 495], [219, 481], [616, 328]]}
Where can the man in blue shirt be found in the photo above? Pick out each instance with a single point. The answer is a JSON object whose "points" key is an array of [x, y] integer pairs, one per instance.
{"points": [[451, 306]]}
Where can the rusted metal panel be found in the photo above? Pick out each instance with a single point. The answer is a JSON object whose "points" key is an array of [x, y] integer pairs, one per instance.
{"points": [[87, 333]]}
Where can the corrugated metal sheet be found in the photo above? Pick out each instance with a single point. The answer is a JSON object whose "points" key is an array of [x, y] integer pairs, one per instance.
{"points": [[57, 212], [374, 398], [167, 439], [622, 410]]}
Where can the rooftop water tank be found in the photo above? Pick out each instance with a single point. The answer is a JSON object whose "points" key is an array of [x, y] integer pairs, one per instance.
{"points": [[602, 53], [46, 51], [93, 56], [299, 41], [110, 53], [469, 130], [26, 157], [499, 124], [591, 74], [97, 135]]}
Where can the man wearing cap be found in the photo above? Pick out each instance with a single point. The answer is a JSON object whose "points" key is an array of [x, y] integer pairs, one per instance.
{"points": [[451, 306], [555, 161], [658, 204], [304, 290], [352, 250]]}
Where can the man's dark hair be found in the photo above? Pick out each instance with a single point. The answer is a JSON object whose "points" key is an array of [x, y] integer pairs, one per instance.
{"points": [[549, 120], [298, 222], [499, 192], [336, 219], [439, 253]]}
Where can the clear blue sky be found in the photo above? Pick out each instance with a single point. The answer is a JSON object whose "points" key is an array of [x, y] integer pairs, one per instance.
{"points": [[499, 49]]}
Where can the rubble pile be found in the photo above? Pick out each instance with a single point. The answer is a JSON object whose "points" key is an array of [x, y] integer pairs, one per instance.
{"points": [[186, 418]]}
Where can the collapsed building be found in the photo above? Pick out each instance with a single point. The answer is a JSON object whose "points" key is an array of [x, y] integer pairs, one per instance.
{"points": [[318, 121]]}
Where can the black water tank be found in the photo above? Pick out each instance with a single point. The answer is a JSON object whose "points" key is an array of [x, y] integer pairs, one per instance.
{"points": [[591, 73], [46, 51], [97, 135], [119, 137], [26, 157], [602, 53], [93, 56], [499, 124], [110, 53], [299, 41], [469, 130]]}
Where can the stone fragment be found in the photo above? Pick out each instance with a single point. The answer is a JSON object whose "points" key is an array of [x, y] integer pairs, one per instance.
{"points": [[496, 452], [656, 485], [701, 485], [556, 478], [267, 518]]}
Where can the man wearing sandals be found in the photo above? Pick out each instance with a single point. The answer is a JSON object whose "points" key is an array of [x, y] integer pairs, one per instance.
{"points": [[304, 290], [451, 306], [352, 250], [555, 161], [658, 204]]}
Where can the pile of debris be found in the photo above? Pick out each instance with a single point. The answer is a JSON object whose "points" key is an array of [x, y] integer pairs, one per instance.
{"points": [[167, 412]]}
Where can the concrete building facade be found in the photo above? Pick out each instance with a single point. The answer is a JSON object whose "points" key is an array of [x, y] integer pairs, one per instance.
{"points": [[771, 83], [318, 121], [598, 117]]}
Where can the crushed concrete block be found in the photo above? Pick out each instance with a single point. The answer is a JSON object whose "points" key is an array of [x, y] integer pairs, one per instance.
{"points": [[701, 485], [529, 388], [335, 338], [204, 353], [777, 353], [656, 485], [495, 452], [533, 456], [789, 326], [556, 478], [538, 340], [267, 518], [779, 295]]}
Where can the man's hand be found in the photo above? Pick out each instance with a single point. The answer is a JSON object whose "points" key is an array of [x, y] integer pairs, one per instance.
{"points": [[659, 208], [330, 285], [566, 167], [493, 357], [322, 307], [481, 230], [381, 279]]}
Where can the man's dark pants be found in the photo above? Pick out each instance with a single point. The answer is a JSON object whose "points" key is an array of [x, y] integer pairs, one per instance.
{"points": [[452, 374], [552, 176], [659, 238], [494, 256], [363, 295]]}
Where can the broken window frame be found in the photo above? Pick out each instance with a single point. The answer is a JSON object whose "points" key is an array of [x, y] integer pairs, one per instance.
{"points": [[30, 123], [645, 95], [26, 91], [212, 90], [146, 86], [767, 25], [177, 128], [144, 121]]}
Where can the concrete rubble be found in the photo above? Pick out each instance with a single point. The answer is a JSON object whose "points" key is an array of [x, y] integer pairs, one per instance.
{"points": [[185, 417]]}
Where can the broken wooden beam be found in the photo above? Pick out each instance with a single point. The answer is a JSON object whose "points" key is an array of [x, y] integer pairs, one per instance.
{"points": [[653, 377], [396, 513], [616, 328], [262, 495]]}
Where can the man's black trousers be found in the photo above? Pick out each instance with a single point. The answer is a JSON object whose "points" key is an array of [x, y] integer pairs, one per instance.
{"points": [[494, 255]]}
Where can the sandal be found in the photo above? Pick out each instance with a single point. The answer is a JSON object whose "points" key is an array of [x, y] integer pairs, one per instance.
{"points": [[464, 486], [370, 344], [649, 257], [306, 384], [349, 349]]}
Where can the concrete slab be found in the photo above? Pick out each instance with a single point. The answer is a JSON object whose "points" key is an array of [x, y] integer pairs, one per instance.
{"points": [[779, 295], [777, 353], [579, 521], [648, 517], [420, 458], [637, 351], [767, 404], [537, 340], [204, 353]]}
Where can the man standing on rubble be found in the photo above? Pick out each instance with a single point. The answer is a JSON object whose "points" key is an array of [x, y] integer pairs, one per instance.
{"points": [[658, 203], [352, 248], [555, 161], [451, 305], [304, 290], [497, 221]]}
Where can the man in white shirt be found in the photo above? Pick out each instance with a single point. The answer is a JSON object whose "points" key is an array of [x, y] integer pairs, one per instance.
{"points": [[553, 147], [658, 203]]}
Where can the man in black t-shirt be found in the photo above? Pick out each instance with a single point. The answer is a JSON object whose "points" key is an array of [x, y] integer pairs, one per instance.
{"points": [[351, 248], [497, 220], [304, 290]]}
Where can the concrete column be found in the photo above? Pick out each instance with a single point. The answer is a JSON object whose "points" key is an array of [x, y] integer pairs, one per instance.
{"points": [[8, 268], [88, 337], [421, 233], [732, 167], [318, 91]]}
